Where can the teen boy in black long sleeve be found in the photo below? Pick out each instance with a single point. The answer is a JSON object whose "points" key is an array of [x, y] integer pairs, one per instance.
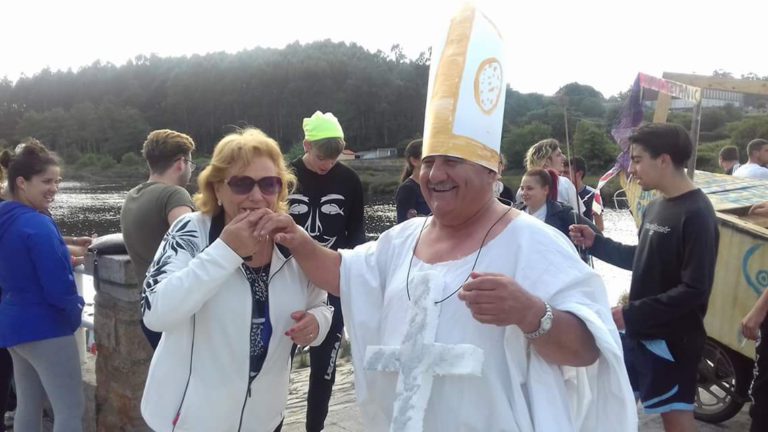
{"points": [[328, 204], [672, 267]]}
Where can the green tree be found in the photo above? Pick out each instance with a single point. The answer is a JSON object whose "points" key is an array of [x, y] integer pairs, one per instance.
{"points": [[744, 131], [519, 105], [592, 107], [732, 113], [583, 99], [296, 150], [712, 119], [575, 92], [594, 145], [518, 139], [721, 73], [682, 118]]}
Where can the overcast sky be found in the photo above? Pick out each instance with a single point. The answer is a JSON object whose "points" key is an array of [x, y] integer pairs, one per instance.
{"points": [[550, 42]]}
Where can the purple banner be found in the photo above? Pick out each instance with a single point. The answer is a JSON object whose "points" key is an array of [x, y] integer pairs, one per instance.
{"points": [[631, 117]]}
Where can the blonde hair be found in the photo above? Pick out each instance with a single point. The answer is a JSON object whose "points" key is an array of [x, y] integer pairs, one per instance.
{"points": [[539, 153], [239, 149], [164, 147]]}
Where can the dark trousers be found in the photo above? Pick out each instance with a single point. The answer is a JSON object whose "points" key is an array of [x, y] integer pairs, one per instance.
{"points": [[322, 375], [153, 337], [7, 398], [759, 390]]}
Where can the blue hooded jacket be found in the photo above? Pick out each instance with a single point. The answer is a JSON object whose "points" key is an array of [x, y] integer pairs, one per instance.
{"points": [[39, 295]]}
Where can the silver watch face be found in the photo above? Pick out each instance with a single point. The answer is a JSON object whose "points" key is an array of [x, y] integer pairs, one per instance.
{"points": [[546, 322]]}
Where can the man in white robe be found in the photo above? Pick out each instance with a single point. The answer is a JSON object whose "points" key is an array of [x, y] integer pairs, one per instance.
{"points": [[518, 390], [526, 384], [506, 284]]}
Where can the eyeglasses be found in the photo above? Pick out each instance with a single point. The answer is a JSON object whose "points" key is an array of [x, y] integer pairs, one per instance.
{"points": [[191, 164], [243, 185]]}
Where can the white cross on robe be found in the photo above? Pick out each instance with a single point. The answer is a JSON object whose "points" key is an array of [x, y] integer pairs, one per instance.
{"points": [[419, 358]]}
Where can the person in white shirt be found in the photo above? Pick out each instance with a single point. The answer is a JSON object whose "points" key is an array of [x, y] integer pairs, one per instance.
{"points": [[729, 159], [757, 149]]}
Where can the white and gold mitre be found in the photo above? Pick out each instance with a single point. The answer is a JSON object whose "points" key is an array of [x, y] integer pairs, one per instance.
{"points": [[467, 88]]}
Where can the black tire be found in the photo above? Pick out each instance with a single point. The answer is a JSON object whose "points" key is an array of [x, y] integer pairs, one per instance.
{"points": [[723, 383]]}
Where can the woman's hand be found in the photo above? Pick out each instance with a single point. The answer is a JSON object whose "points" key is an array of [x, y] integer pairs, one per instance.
{"points": [[239, 235], [305, 331]]}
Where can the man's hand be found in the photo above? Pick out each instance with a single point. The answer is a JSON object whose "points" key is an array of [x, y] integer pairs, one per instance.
{"points": [[759, 209], [306, 329], [283, 229], [750, 325], [618, 317], [238, 234], [582, 235], [497, 299]]}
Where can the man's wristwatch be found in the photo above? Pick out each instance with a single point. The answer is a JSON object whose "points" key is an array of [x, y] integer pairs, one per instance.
{"points": [[544, 325]]}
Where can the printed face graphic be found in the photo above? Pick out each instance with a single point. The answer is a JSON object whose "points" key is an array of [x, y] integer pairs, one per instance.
{"points": [[323, 220]]}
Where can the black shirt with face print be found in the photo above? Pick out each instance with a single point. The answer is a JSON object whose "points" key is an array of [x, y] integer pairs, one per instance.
{"points": [[329, 206]]}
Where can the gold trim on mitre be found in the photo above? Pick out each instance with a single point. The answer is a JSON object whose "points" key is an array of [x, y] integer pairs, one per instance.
{"points": [[487, 89]]}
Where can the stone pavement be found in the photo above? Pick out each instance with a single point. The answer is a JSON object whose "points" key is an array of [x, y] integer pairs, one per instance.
{"points": [[342, 412], [344, 416]]}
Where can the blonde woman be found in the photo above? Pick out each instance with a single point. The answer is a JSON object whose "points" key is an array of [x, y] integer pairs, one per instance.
{"points": [[546, 154], [230, 304]]}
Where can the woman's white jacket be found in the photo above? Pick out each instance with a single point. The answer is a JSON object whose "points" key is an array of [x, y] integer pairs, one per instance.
{"points": [[197, 295]]}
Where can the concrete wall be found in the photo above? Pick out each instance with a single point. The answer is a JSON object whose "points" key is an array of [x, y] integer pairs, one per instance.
{"points": [[123, 354]]}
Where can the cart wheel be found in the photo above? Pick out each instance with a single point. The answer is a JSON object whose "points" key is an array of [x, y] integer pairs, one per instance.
{"points": [[724, 377]]}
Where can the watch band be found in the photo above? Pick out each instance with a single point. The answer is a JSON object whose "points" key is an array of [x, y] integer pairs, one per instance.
{"points": [[544, 324]]}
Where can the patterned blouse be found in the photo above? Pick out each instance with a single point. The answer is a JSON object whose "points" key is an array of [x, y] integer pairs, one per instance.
{"points": [[261, 328]]}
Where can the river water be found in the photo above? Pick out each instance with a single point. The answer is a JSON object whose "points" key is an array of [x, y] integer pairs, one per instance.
{"points": [[85, 209]]}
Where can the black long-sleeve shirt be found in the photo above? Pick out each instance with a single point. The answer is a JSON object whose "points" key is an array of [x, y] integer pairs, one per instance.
{"points": [[673, 267], [330, 207]]}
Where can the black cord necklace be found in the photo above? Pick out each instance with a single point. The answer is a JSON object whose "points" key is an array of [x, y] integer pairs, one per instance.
{"points": [[477, 257]]}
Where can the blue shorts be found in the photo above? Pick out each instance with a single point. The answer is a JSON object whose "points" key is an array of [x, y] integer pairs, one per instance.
{"points": [[663, 373]]}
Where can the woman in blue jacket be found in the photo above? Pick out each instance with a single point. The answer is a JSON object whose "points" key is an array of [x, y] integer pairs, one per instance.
{"points": [[6, 365], [539, 192], [40, 308]]}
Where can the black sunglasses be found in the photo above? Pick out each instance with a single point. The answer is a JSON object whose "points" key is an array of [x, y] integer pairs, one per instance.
{"points": [[243, 185]]}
